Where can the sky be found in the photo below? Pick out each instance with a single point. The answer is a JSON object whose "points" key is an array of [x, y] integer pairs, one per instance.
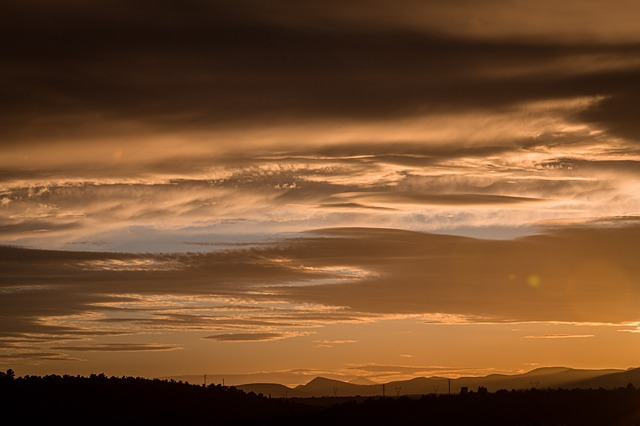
{"points": [[272, 191]]}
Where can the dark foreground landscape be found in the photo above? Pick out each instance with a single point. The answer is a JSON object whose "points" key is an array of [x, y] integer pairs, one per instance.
{"points": [[101, 400]]}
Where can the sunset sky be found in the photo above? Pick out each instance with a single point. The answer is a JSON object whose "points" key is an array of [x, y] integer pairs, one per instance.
{"points": [[275, 190]]}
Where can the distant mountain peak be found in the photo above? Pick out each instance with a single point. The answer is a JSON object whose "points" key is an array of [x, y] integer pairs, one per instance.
{"points": [[548, 370], [362, 381], [540, 378], [321, 382], [324, 380]]}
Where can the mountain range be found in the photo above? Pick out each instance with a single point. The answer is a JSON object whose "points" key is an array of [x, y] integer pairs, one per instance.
{"points": [[540, 378]]}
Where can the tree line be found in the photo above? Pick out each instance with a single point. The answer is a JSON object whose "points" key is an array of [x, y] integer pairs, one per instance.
{"points": [[102, 400]]}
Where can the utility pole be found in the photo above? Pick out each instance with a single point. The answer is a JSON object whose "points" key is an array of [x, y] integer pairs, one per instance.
{"points": [[449, 386], [383, 386], [205, 380]]}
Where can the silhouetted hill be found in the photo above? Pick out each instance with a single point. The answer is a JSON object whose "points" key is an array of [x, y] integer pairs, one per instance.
{"points": [[321, 386], [273, 390], [98, 400], [540, 378], [418, 386], [613, 380]]}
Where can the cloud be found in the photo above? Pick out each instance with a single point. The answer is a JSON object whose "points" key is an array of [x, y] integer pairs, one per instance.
{"points": [[37, 356], [394, 369], [418, 198], [118, 347], [334, 342], [155, 76], [351, 206], [452, 192], [296, 286], [402, 371], [559, 336], [250, 337], [134, 133], [631, 330], [328, 343], [582, 275]]}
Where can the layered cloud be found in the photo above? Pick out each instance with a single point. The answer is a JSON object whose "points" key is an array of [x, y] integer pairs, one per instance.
{"points": [[151, 125], [175, 159], [399, 186], [574, 275]]}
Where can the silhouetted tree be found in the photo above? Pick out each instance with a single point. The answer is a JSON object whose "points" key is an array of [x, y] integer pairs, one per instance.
{"points": [[9, 375]]}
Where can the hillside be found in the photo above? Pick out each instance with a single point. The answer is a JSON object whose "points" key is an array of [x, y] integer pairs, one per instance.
{"points": [[99, 400], [612, 380], [273, 390], [321, 386], [541, 378]]}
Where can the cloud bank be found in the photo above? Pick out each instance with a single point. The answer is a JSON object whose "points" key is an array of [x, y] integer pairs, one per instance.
{"points": [[572, 275]]}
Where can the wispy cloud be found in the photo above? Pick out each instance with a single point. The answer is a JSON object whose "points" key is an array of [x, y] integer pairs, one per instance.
{"points": [[118, 347], [559, 336], [397, 371], [251, 337], [322, 344], [631, 330]]}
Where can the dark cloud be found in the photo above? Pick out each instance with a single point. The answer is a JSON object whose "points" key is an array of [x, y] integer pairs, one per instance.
{"points": [[37, 356], [438, 199], [79, 68], [570, 275], [560, 185], [412, 154], [204, 322], [351, 206], [616, 113], [36, 225]]}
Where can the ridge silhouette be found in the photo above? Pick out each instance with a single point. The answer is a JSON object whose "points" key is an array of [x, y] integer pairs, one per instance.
{"points": [[101, 400], [542, 378]]}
